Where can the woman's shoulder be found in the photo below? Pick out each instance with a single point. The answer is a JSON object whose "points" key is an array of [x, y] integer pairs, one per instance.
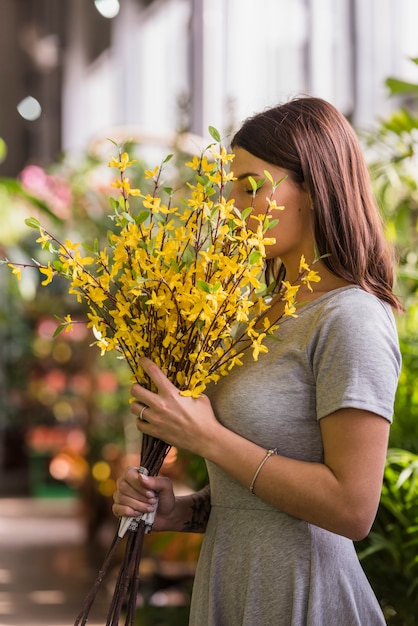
{"points": [[355, 321], [351, 315], [350, 301]]}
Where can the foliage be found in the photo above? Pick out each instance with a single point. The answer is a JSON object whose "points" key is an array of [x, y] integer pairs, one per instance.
{"points": [[390, 553], [393, 161]]}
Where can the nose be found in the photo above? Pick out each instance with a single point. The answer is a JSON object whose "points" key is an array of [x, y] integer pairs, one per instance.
{"points": [[231, 195]]}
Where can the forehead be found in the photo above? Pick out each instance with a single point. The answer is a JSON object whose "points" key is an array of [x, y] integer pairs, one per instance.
{"points": [[246, 164]]}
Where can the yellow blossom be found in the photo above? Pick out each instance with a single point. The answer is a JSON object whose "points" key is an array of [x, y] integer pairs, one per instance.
{"points": [[221, 155], [44, 239], [122, 162], [49, 273], [308, 275], [125, 187], [182, 285], [151, 173], [17, 271], [68, 323]]}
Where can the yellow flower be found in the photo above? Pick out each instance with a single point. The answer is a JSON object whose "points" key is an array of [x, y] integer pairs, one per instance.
{"points": [[151, 173], [201, 164], [258, 347], [122, 162], [311, 277], [182, 285], [49, 273], [125, 187], [289, 297], [308, 275], [44, 239], [221, 155], [16, 270], [68, 323]]}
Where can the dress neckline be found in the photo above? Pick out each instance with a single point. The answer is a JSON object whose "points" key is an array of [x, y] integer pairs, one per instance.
{"points": [[309, 305]]}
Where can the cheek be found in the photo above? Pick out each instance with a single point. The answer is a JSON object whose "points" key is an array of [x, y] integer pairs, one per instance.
{"points": [[241, 199], [259, 206]]}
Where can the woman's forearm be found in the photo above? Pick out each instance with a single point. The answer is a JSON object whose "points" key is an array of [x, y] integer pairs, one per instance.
{"points": [[191, 512]]}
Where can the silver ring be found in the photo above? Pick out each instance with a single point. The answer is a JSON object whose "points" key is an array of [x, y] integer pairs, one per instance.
{"points": [[142, 411]]}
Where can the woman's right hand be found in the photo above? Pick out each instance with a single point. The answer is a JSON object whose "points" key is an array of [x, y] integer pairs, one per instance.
{"points": [[137, 494]]}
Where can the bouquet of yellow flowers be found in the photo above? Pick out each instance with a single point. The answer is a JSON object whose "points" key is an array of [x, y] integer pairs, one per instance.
{"points": [[180, 283]]}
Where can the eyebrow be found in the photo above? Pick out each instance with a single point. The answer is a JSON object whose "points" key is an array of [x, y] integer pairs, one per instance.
{"points": [[247, 174]]}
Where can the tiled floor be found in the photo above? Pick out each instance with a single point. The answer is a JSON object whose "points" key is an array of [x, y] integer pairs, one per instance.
{"points": [[45, 570]]}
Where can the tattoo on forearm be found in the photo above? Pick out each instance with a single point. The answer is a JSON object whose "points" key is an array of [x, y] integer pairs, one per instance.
{"points": [[200, 510]]}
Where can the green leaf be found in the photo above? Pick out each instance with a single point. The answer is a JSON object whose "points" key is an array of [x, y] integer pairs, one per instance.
{"points": [[141, 217], [189, 255], [268, 176], [215, 134], [255, 256], [3, 150], [256, 184], [246, 212], [128, 217], [397, 86], [59, 330], [32, 222], [204, 286], [57, 265], [272, 224], [252, 183], [174, 265], [114, 204]]}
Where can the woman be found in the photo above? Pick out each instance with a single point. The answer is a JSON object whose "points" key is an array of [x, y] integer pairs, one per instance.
{"points": [[295, 443]]}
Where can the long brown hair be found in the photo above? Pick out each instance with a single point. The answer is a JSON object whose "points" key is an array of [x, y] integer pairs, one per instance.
{"points": [[315, 143]]}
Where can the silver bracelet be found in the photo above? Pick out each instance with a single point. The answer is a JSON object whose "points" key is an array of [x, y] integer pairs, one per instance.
{"points": [[269, 453]]}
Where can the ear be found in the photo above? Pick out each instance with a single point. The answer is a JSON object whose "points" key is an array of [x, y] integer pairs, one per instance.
{"points": [[311, 203], [308, 194]]}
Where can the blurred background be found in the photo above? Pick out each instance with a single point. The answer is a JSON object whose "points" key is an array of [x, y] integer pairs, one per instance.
{"points": [[157, 73]]}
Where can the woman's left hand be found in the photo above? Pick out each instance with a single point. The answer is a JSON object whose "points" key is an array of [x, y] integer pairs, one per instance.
{"points": [[181, 421]]}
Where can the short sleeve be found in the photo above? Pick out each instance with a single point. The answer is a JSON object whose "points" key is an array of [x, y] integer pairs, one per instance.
{"points": [[356, 357]]}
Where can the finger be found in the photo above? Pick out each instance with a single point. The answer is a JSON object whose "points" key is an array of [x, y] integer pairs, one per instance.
{"points": [[143, 408], [138, 409], [159, 379]]}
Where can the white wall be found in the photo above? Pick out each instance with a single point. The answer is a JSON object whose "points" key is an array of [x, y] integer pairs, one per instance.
{"points": [[233, 58]]}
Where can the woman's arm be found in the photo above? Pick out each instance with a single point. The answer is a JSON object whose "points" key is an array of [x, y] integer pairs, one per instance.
{"points": [[341, 494]]}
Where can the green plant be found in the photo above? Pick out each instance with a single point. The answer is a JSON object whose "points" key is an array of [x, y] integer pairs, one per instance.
{"points": [[393, 161], [390, 554]]}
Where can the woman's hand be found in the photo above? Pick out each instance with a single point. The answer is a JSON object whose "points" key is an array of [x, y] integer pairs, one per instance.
{"points": [[137, 494], [185, 422]]}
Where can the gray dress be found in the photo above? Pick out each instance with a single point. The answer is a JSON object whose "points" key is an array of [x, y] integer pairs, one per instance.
{"points": [[259, 566]]}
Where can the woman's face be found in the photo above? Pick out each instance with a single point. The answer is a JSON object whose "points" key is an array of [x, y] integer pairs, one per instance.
{"points": [[294, 232]]}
